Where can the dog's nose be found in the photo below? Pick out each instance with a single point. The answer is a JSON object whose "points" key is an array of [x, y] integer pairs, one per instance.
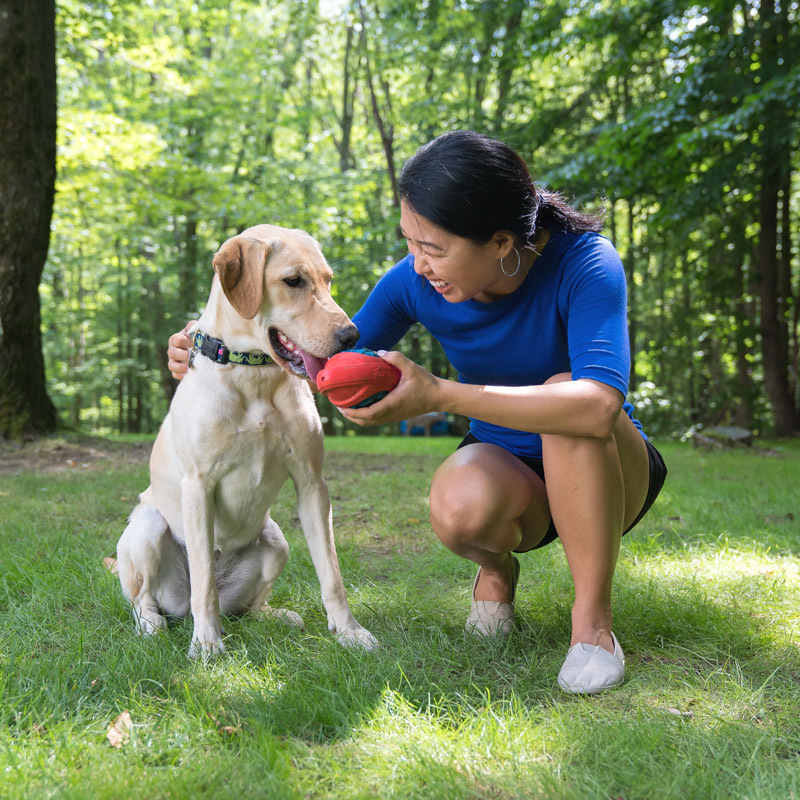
{"points": [[348, 336]]}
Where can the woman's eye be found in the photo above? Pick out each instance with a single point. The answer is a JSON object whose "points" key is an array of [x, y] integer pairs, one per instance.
{"points": [[294, 281]]}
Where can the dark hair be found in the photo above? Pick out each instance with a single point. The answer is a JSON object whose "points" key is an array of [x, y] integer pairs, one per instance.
{"points": [[473, 186]]}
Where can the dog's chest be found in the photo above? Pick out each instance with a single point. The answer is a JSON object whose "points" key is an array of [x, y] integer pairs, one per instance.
{"points": [[258, 417], [255, 468], [251, 481]]}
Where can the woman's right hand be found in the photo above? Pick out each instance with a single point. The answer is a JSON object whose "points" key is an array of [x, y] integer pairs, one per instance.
{"points": [[178, 352]]}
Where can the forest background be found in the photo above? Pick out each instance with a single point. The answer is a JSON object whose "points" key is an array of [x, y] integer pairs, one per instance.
{"points": [[181, 123]]}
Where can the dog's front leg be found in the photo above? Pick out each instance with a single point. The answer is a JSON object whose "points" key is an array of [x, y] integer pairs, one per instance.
{"points": [[314, 508], [198, 528]]}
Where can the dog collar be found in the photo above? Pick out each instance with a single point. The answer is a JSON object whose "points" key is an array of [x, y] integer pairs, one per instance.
{"points": [[216, 350]]}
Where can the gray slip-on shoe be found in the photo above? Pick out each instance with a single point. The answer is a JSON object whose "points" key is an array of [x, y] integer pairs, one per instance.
{"points": [[489, 617], [590, 669]]}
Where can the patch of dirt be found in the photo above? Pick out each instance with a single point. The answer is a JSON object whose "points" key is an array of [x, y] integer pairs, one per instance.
{"points": [[76, 452]]}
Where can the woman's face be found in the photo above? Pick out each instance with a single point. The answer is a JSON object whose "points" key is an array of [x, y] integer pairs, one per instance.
{"points": [[458, 268]]}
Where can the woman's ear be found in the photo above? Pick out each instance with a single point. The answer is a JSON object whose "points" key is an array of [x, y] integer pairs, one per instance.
{"points": [[504, 242]]}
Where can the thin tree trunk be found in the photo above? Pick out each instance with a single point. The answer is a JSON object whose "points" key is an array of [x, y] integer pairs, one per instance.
{"points": [[168, 383], [743, 408], [508, 59], [773, 326], [381, 119], [691, 378], [789, 298], [630, 268], [346, 161]]}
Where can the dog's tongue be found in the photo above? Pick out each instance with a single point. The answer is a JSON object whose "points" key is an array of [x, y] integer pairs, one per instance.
{"points": [[312, 364]]}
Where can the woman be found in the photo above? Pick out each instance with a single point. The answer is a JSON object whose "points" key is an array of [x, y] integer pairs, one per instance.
{"points": [[529, 305]]}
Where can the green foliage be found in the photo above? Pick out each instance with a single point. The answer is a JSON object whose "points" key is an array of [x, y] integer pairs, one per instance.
{"points": [[182, 123]]}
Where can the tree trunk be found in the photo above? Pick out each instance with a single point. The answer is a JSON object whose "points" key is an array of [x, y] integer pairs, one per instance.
{"points": [[382, 119], [346, 159], [157, 315], [508, 60], [691, 377], [188, 269], [775, 161], [773, 327], [28, 169], [785, 288], [743, 406], [630, 269]]}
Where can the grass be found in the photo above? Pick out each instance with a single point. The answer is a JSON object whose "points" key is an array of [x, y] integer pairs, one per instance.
{"points": [[707, 603]]}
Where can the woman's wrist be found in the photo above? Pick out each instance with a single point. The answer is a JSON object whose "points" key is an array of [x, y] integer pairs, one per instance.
{"points": [[446, 396]]}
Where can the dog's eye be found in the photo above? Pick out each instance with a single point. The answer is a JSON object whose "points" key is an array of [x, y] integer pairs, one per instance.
{"points": [[294, 281]]}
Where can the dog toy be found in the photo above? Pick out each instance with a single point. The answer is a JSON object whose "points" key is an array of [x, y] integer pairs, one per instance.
{"points": [[357, 378]]}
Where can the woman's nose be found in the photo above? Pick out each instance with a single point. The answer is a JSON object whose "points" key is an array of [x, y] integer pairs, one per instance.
{"points": [[420, 263]]}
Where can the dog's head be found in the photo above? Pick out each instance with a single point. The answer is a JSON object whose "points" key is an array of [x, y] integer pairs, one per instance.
{"points": [[279, 278]]}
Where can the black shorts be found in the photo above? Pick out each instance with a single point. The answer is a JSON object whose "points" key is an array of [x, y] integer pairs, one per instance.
{"points": [[658, 474]]}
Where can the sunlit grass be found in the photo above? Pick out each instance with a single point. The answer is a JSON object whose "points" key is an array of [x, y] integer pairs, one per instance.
{"points": [[707, 605]]}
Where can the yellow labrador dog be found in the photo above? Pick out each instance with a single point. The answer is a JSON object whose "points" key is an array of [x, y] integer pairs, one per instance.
{"points": [[201, 538]]}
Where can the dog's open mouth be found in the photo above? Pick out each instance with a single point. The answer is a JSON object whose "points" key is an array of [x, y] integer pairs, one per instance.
{"points": [[303, 364]]}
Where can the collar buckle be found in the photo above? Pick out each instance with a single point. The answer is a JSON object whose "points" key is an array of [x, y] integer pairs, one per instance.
{"points": [[215, 350]]}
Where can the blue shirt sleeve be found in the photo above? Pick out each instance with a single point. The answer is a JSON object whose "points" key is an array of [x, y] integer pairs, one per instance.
{"points": [[594, 305], [389, 311]]}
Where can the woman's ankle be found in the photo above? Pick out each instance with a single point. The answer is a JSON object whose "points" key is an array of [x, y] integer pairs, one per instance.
{"points": [[592, 626], [496, 581]]}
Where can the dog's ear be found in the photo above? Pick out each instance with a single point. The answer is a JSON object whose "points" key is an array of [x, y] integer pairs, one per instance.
{"points": [[240, 266]]}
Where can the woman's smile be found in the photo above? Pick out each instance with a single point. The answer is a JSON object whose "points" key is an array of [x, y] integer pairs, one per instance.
{"points": [[440, 286]]}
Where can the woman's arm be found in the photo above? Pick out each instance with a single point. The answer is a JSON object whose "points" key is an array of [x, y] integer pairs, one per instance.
{"points": [[564, 407], [567, 407]]}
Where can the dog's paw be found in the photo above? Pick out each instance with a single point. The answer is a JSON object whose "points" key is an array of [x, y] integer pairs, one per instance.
{"points": [[206, 640], [283, 615], [205, 650], [148, 621], [357, 637]]}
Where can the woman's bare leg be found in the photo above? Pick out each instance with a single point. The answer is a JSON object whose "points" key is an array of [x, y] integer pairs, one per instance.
{"points": [[595, 488], [484, 504]]}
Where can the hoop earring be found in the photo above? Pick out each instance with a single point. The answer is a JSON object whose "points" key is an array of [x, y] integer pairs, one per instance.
{"points": [[519, 262]]}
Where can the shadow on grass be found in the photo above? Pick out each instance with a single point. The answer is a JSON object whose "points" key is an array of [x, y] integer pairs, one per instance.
{"points": [[81, 645], [302, 684]]}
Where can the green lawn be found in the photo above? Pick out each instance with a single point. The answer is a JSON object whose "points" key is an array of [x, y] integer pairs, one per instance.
{"points": [[707, 609]]}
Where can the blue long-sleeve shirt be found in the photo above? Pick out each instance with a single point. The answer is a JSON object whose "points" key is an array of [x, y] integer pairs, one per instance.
{"points": [[568, 315]]}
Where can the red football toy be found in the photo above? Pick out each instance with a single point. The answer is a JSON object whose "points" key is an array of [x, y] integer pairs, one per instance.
{"points": [[356, 378]]}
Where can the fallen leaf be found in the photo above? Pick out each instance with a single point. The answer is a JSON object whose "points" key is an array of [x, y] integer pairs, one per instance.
{"points": [[111, 565], [675, 712], [777, 518], [120, 730], [228, 730], [413, 521]]}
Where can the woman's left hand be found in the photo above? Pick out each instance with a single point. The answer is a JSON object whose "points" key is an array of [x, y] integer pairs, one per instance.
{"points": [[418, 392]]}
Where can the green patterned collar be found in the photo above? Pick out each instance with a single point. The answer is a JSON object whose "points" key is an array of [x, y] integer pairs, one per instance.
{"points": [[216, 350]]}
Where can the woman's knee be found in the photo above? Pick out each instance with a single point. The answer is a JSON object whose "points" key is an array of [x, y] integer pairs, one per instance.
{"points": [[461, 505]]}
